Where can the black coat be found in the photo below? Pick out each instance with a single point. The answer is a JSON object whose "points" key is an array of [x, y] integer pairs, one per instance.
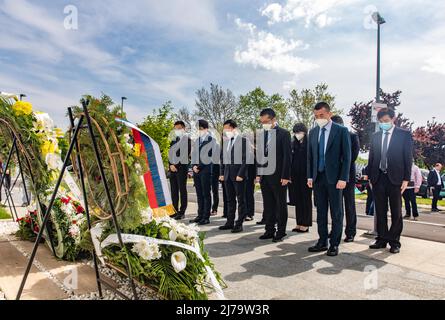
{"points": [[206, 154], [433, 179], [298, 171], [355, 151], [400, 156], [234, 166], [337, 154], [283, 155], [176, 146]]}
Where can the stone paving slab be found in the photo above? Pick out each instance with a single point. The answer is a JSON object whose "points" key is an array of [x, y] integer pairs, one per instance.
{"points": [[38, 287]]}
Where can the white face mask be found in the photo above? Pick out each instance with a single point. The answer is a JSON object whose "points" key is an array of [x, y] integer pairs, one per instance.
{"points": [[267, 126], [229, 134], [322, 122], [179, 133], [299, 136]]}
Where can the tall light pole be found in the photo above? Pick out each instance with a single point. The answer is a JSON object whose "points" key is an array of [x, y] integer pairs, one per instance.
{"points": [[122, 105], [379, 20]]}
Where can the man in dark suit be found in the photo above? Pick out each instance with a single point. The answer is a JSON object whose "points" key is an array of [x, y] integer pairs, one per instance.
{"points": [[389, 170], [329, 163], [178, 169], [349, 192], [274, 170], [202, 161], [435, 182], [234, 175]]}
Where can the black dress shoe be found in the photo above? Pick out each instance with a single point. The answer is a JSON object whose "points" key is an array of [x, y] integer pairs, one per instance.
{"points": [[237, 229], [318, 248], [378, 245], [302, 231], [261, 223], [179, 217], [394, 250], [279, 238], [349, 239], [226, 227], [333, 251], [204, 222], [267, 236], [196, 220]]}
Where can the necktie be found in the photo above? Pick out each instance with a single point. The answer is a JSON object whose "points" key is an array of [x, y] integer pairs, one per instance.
{"points": [[321, 151], [384, 160]]}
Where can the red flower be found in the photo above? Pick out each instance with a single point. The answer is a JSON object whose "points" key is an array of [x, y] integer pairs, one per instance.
{"points": [[66, 200], [36, 228], [74, 222], [79, 209]]}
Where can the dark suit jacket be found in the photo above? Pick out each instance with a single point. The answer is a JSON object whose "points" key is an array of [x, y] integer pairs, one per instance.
{"points": [[433, 179], [230, 165], [183, 140], [206, 148], [400, 156], [355, 151], [337, 154], [283, 150]]}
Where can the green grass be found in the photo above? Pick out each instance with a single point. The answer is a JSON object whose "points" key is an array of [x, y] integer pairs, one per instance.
{"points": [[421, 201], [4, 214]]}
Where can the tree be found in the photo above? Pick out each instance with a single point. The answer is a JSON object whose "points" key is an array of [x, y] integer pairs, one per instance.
{"points": [[361, 114], [429, 143], [216, 106], [185, 115], [158, 126], [302, 103], [251, 105]]}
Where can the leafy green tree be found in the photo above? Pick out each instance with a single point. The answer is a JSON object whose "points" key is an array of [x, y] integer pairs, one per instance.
{"points": [[158, 126], [302, 103], [251, 104]]}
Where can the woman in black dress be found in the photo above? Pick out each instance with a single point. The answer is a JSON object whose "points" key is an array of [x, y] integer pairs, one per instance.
{"points": [[299, 193]]}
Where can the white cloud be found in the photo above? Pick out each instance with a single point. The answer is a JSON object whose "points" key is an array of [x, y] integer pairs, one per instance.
{"points": [[310, 11], [273, 53], [435, 64]]}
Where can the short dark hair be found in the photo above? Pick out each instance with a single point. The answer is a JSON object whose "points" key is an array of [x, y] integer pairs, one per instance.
{"points": [[386, 112], [180, 123], [437, 164], [231, 123], [300, 127], [268, 112], [337, 119], [203, 124], [322, 105]]}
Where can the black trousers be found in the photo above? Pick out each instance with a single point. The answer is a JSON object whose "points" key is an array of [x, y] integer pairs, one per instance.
{"points": [[410, 202], [215, 187], [250, 192], [203, 185], [235, 192], [350, 210], [275, 207], [384, 192], [178, 186], [436, 196], [328, 197], [370, 206]]}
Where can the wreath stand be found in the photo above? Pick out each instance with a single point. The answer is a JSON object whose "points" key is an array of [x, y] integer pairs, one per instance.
{"points": [[75, 144], [15, 150]]}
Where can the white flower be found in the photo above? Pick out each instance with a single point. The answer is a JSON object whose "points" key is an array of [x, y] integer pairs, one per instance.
{"points": [[147, 251], [173, 235], [52, 160], [146, 216], [45, 121], [179, 261], [74, 230]]}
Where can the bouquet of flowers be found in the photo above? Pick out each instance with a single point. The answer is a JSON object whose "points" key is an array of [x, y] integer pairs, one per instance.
{"points": [[28, 226]]}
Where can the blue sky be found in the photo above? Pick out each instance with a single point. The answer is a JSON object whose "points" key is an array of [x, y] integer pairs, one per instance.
{"points": [[153, 51]]}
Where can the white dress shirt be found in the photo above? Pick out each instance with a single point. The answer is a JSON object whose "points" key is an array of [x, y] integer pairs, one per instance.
{"points": [[439, 178], [328, 128], [389, 136]]}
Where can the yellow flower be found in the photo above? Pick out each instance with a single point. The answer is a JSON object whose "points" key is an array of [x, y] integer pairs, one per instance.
{"points": [[137, 150], [22, 108], [48, 147], [59, 133]]}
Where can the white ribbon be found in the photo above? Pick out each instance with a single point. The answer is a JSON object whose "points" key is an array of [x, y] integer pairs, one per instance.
{"points": [[96, 233]]}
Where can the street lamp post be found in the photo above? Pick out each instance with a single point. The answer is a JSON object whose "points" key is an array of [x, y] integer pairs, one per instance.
{"points": [[122, 105], [379, 20]]}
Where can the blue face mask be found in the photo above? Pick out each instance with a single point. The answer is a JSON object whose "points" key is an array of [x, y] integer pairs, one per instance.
{"points": [[386, 126]]}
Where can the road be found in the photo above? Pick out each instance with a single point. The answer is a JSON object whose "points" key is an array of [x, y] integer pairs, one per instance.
{"points": [[430, 226]]}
